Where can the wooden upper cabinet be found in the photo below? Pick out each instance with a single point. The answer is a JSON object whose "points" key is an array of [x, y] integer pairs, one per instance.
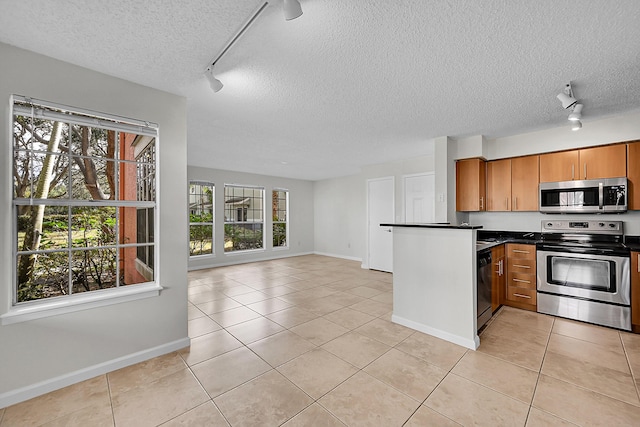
{"points": [[603, 162], [499, 185], [609, 161], [633, 176], [470, 185], [524, 183], [562, 166]]}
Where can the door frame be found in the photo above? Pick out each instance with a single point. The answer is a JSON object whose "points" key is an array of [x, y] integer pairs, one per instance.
{"points": [[404, 192], [366, 263]]}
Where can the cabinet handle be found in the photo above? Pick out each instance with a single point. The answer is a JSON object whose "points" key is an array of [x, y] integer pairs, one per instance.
{"points": [[481, 203], [518, 251], [521, 281], [572, 171], [506, 203], [502, 266], [515, 203], [639, 263], [585, 170], [521, 296], [521, 266]]}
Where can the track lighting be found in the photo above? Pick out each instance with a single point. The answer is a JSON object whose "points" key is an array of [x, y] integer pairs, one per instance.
{"points": [[569, 102], [215, 84], [566, 97], [291, 9]]}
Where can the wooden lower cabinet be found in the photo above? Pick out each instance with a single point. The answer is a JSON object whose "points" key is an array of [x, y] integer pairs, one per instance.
{"points": [[635, 291], [520, 289], [498, 275]]}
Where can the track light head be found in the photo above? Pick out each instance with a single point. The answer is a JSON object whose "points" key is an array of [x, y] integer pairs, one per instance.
{"points": [[215, 84], [292, 9], [576, 125], [576, 115]]}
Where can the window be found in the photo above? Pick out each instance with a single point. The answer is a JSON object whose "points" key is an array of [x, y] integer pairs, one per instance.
{"points": [[280, 215], [84, 200], [243, 218], [201, 202]]}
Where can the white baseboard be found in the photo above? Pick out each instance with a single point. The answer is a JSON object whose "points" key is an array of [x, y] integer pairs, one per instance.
{"points": [[28, 392], [350, 258], [236, 261], [473, 344]]}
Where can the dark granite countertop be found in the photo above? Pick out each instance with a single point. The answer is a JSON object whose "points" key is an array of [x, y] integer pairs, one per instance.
{"points": [[632, 242], [487, 239], [434, 225]]}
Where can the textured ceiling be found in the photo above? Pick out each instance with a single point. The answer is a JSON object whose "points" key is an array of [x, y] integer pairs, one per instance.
{"points": [[350, 83]]}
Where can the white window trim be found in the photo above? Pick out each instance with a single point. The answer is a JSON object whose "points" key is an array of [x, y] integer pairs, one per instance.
{"points": [[38, 309], [282, 248], [212, 223], [263, 222], [78, 302]]}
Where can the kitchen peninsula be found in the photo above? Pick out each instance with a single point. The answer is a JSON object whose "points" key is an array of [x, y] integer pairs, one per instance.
{"points": [[434, 280]]}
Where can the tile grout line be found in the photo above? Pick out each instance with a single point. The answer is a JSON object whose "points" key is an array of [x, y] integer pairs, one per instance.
{"points": [[633, 375]]}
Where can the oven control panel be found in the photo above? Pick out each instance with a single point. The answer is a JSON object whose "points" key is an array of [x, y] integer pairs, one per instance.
{"points": [[587, 227]]}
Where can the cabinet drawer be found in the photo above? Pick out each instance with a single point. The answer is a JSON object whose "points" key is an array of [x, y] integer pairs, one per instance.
{"points": [[515, 250], [526, 296], [522, 265], [519, 280]]}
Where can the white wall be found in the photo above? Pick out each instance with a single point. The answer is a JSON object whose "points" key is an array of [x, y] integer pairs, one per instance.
{"points": [[40, 355], [340, 205], [597, 132], [301, 216]]}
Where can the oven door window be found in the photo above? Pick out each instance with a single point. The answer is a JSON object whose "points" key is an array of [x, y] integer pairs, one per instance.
{"points": [[594, 274]]}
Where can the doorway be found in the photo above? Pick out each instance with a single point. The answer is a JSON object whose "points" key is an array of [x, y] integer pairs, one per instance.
{"points": [[380, 209]]}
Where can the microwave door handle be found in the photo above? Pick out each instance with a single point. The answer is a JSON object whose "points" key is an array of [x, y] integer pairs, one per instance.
{"points": [[600, 195]]}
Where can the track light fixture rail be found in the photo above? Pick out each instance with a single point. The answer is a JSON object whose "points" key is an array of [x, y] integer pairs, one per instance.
{"points": [[291, 10]]}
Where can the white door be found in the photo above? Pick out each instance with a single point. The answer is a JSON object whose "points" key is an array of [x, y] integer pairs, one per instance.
{"points": [[380, 204], [419, 198]]}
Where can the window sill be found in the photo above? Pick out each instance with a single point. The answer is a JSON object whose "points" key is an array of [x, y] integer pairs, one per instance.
{"points": [[281, 248], [41, 309], [245, 251]]}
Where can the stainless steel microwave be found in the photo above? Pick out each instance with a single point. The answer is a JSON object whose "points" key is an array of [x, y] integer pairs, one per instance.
{"points": [[607, 195]]}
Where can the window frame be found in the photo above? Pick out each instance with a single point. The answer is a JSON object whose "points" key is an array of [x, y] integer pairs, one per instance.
{"points": [[212, 223], [235, 222], [285, 222], [70, 116]]}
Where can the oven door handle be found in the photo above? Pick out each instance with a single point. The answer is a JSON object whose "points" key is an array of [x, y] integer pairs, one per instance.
{"points": [[605, 252]]}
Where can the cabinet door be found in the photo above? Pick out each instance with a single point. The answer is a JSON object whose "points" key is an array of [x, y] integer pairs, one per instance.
{"points": [[561, 166], [498, 277], [603, 162], [524, 183], [470, 185], [499, 185], [633, 174], [635, 291]]}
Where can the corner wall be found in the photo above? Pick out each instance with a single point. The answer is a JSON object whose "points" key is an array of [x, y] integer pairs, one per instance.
{"points": [[340, 206], [301, 217], [41, 355]]}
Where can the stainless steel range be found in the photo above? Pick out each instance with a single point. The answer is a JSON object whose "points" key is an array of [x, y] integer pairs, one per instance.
{"points": [[583, 272]]}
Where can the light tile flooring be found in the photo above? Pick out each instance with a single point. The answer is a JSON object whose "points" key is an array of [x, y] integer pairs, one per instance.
{"points": [[308, 341]]}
